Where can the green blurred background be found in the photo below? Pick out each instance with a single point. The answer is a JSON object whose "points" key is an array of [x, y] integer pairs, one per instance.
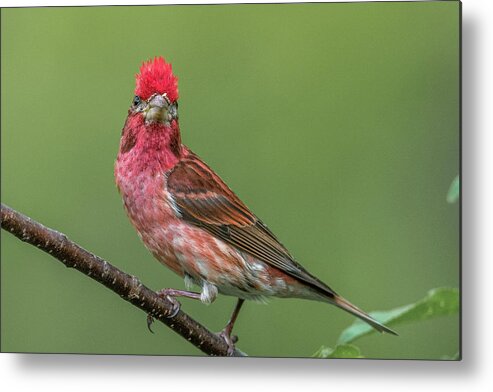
{"points": [[338, 124]]}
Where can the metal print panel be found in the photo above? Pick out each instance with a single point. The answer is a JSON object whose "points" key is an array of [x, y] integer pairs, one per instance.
{"points": [[291, 168]]}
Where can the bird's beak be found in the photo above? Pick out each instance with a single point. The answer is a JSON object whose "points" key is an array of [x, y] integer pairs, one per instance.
{"points": [[160, 109], [157, 109]]}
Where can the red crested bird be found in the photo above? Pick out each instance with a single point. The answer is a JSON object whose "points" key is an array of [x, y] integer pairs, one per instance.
{"points": [[192, 222]]}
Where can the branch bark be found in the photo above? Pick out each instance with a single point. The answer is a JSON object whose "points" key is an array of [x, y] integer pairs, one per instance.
{"points": [[126, 286]]}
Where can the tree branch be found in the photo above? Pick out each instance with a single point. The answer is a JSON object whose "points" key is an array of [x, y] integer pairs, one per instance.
{"points": [[126, 286]]}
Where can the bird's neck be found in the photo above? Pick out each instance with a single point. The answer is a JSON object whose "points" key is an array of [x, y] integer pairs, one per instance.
{"points": [[151, 148]]}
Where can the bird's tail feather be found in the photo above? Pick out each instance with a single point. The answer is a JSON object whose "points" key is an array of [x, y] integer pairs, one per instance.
{"points": [[349, 307]]}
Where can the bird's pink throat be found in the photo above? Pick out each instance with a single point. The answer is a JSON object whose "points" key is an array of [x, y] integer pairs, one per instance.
{"points": [[150, 147]]}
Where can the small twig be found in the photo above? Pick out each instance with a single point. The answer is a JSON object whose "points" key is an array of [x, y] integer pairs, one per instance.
{"points": [[126, 286]]}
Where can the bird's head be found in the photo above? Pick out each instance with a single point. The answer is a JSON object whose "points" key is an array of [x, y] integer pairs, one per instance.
{"points": [[156, 93]]}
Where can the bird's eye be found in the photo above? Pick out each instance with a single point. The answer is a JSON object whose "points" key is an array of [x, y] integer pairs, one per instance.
{"points": [[136, 100]]}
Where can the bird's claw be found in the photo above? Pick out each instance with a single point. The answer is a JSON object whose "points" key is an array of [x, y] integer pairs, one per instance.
{"points": [[176, 306], [165, 293], [230, 341], [150, 320], [169, 294]]}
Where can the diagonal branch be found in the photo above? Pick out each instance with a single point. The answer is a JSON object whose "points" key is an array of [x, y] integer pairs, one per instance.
{"points": [[126, 286]]}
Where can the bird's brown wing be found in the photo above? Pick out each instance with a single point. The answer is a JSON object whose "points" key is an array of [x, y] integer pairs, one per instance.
{"points": [[205, 200]]}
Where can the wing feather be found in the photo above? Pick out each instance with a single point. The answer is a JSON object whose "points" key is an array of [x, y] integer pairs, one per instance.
{"points": [[206, 201]]}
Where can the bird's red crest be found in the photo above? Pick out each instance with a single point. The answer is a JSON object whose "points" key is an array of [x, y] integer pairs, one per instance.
{"points": [[156, 76]]}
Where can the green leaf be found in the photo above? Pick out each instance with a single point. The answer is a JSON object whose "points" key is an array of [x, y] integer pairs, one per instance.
{"points": [[438, 302], [454, 190], [341, 351]]}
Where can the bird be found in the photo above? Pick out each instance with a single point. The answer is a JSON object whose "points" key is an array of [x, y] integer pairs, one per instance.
{"points": [[192, 222]]}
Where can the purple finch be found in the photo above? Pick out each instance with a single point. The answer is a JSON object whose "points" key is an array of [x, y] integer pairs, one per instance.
{"points": [[191, 221]]}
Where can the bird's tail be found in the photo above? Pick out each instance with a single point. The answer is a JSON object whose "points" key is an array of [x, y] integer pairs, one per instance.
{"points": [[349, 307]]}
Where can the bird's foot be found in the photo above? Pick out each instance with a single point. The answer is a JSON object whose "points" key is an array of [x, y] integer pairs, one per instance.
{"points": [[225, 334], [170, 295]]}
